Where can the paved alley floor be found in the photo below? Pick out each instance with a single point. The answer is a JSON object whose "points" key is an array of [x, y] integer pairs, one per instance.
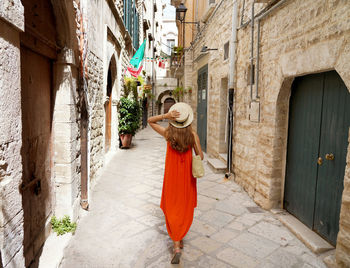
{"points": [[125, 226]]}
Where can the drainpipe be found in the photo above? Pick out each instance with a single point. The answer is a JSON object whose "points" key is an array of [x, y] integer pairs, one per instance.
{"points": [[257, 63], [84, 119], [252, 52], [232, 73]]}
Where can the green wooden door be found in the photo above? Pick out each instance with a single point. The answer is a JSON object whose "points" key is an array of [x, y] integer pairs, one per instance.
{"points": [[303, 142], [319, 122], [202, 106]]}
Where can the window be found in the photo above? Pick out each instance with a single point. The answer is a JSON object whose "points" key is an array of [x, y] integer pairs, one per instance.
{"points": [[170, 45], [131, 21], [226, 50]]}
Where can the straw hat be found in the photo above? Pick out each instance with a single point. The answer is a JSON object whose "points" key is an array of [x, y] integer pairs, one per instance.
{"points": [[186, 115]]}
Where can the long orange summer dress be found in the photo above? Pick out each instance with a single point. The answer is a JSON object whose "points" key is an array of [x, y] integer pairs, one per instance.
{"points": [[179, 195]]}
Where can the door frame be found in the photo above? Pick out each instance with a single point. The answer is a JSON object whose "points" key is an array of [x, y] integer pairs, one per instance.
{"points": [[282, 127], [200, 70]]}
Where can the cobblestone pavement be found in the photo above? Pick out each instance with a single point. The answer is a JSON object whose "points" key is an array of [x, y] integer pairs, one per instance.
{"points": [[125, 226]]}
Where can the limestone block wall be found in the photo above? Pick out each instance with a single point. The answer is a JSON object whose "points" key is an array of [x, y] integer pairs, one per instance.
{"points": [[95, 91], [298, 38], [214, 34], [66, 142], [11, 212]]}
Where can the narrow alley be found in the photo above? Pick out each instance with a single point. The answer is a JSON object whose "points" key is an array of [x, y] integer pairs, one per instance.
{"points": [[126, 228]]}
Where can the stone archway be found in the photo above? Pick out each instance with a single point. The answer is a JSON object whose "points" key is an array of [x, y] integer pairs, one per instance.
{"points": [[166, 94]]}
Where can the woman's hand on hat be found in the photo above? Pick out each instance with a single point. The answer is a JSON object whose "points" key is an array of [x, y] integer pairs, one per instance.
{"points": [[173, 115]]}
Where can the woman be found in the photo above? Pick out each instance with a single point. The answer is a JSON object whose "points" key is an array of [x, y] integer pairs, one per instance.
{"points": [[179, 195]]}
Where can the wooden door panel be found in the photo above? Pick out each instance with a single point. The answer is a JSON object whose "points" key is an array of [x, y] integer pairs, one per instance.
{"points": [[108, 111], [167, 104], [303, 142], [334, 139], [36, 82]]}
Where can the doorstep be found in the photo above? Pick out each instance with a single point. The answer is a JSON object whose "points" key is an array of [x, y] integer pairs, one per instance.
{"points": [[53, 250], [223, 158], [311, 239], [217, 165]]}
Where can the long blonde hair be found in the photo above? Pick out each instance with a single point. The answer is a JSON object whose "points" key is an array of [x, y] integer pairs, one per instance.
{"points": [[181, 139]]}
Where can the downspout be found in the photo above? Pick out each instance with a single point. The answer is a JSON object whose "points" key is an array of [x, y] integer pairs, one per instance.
{"points": [[84, 117], [252, 52], [257, 62], [231, 82]]}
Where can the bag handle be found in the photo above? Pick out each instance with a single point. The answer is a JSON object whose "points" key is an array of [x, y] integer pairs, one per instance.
{"points": [[195, 147]]}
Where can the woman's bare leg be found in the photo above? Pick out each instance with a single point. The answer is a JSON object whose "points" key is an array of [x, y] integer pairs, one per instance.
{"points": [[177, 253]]}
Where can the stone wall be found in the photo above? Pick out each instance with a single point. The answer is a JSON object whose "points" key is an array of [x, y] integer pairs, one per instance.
{"points": [[11, 212], [214, 34], [95, 92], [298, 38], [66, 142]]}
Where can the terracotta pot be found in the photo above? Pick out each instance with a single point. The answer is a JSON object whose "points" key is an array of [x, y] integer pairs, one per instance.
{"points": [[126, 140]]}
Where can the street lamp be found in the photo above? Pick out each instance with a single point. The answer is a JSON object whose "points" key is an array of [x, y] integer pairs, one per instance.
{"points": [[181, 12], [180, 15]]}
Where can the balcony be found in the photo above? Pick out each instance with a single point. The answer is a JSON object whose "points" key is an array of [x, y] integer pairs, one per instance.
{"points": [[177, 64]]}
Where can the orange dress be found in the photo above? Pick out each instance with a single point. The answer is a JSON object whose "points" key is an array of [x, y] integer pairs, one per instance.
{"points": [[179, 195]]}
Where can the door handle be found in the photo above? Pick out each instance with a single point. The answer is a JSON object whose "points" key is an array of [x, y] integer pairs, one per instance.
{"points": [[319, 161], [330, 156]]}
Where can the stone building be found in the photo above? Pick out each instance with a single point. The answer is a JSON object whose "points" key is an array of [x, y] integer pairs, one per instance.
{"points": [[165, 82], [290, 68], [152, 26], [56, 129]]}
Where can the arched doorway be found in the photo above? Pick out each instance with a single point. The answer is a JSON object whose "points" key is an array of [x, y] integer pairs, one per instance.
{"points": [[319, 120], [38, 53], [168, 103], [108, 103]]}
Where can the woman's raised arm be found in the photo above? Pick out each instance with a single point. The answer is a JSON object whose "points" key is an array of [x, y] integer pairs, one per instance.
{"points": [[152, 121]]}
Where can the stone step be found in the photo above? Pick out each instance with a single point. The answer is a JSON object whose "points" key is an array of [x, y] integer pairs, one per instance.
{"points": [[217, 165], [312, 240], [223, 158]]}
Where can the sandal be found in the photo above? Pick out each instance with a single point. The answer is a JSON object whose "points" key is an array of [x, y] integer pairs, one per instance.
{"points": [[177, 255]]}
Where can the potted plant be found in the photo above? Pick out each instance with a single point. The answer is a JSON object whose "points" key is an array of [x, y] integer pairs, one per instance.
{"points": [[178, 92], [129, 112]]}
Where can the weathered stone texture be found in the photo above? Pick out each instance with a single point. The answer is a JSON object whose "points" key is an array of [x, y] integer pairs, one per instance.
{"points": [[11, 213], [95, 91], [298, 38], [66, 169], [12, 11], [214, 35]]}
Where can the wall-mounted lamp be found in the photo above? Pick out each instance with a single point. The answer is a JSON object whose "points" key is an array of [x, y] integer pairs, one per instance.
{"points": [[205, 49], [181, 12]]}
